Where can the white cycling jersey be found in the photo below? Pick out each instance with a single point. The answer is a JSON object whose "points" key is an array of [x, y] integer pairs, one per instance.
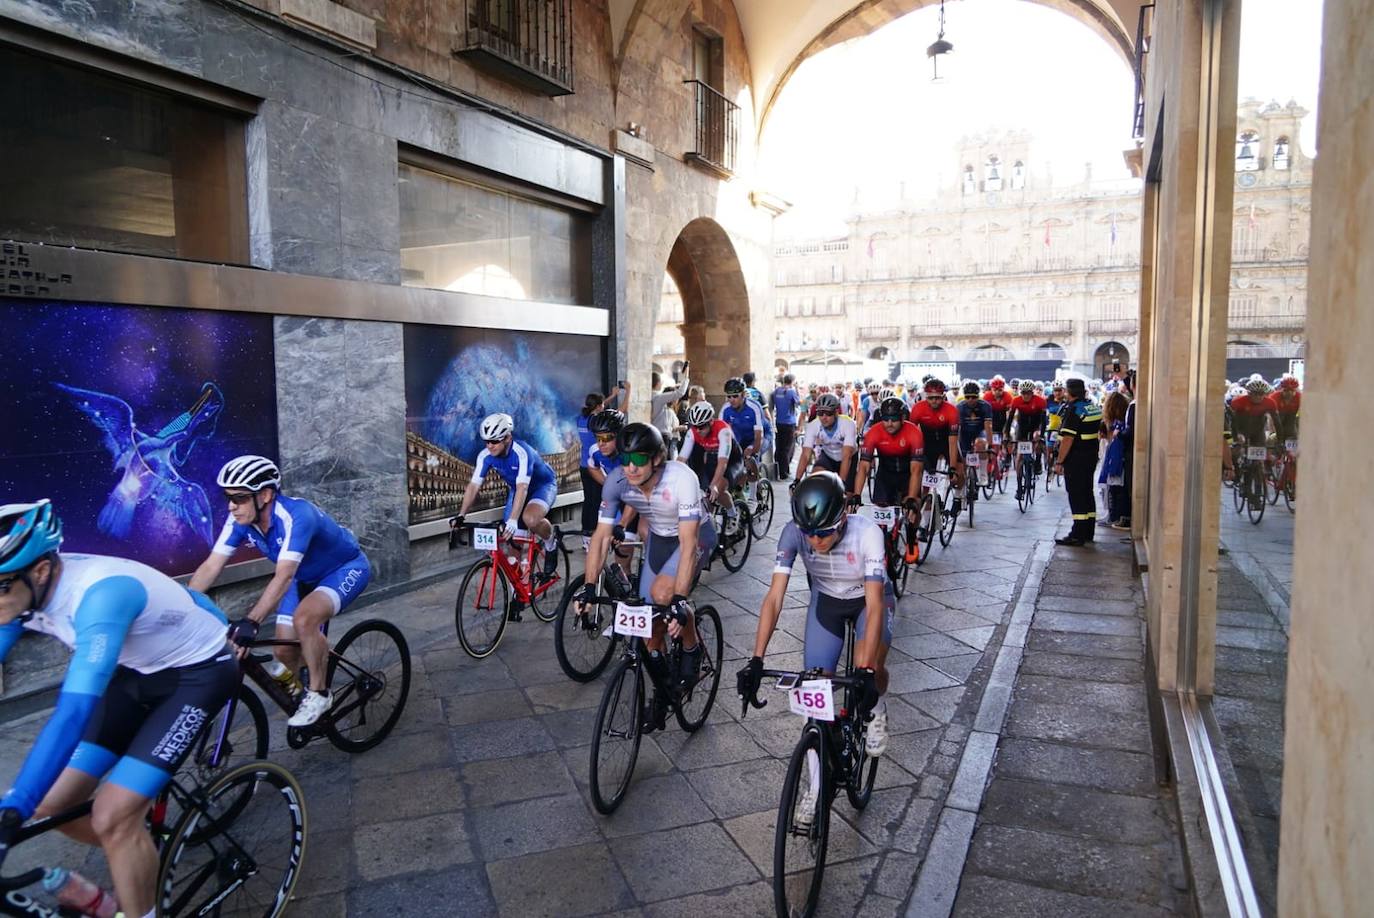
{"points": [[858, 556], [676, 496], [831, 442]]}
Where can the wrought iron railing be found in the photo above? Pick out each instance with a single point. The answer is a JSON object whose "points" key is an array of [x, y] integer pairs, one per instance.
{"points": [[527, 41], [716, 134], [880, 333], [1034, 327], [1281, 321], [1113, 326]]}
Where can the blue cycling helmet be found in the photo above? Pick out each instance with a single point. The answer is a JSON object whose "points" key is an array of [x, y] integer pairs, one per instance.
{"points": [[27, 533]]}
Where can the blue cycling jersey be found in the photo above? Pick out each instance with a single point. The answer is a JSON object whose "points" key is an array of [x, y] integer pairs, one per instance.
{"points": [[593, 458], [521, 463], [972, 415], [299, 532], [744, 421]]}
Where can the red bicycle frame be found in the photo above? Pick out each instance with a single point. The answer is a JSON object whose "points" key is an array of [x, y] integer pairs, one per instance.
{"points": [[524, 589]]}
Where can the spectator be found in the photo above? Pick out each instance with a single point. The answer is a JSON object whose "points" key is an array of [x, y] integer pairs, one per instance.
{"points": [[1114, 410], [784, 401], [661, 408]]}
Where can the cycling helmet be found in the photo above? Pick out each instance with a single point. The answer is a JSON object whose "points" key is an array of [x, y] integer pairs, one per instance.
{"points": [[734, 386], [1027, 385], [998, 382], [639, 438], [1257, 387], [892, 409], [828, 402], [935, 385], [701, 413], [28, 532], [818, 503], [608, 421], [971, 389], [886, 393], [1288, 381], [874, 388], [497, 426], [927, 378], [252, 473]]}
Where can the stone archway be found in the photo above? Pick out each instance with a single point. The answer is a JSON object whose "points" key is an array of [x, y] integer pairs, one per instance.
{"points": [[1107, 356], [715, 303]]}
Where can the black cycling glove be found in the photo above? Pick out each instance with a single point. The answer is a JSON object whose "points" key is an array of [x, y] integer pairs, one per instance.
{"points": [[243, 632], [10, 823], [748, 680], [618, 532], [683, 610], [586, 593], [867, 690]]}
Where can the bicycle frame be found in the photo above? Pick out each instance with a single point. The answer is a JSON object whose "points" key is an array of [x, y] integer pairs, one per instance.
{"points": [[525, 589]]}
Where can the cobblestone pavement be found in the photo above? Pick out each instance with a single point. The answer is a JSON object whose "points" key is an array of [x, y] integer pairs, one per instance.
{"points": [[477, 805]]}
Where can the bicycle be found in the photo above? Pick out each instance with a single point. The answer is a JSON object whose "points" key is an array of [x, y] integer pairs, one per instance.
{"points": [[1250, 483], [1051, 476], [971, 486], [481, 624], [893, 521], [209, 861], [1003, 462], [936, 510], [734, 536], [621, 713], [1283, 475], [583, 642], [831, 754], [1025, 475], [761, 516]]}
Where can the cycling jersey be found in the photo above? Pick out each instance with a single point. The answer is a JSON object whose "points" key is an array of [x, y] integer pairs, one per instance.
{"points": [[937, 424], [894, 452], [1030, 415], [299, 532], [1000, 401], [1247, 417], [974, 413], [744, 422], [520, 464], [675, 496], [858, 557], [593, 458], [1288, 413], [831, 441], [112, 613], [718, 443]]}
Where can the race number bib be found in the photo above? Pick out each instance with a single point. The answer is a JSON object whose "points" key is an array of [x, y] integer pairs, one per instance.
{"points": [[813, 698], [974, 460], [1291, 445], [634, 621], [1255, 453], [884, 516], [996, 439], [1024, 448], [484, 539], [930, 480]]}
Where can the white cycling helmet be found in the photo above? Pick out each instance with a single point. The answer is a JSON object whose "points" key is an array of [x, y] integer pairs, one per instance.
{"points": [[497, 427], [701, 413], [252, 473], [886, 394]]}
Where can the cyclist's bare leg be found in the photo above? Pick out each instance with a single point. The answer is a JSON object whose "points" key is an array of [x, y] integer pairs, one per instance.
{"points": [[313, 611], [288, 655], [118, 821], [662, 594], [535, 517], [72, 787]]}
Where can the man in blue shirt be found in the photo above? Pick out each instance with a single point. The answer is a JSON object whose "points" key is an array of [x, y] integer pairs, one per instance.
{"points": [[319, 570], [785, 401]]}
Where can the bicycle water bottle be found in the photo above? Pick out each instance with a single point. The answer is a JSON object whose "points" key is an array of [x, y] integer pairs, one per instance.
{"points": [[74, 891], [284, 676]]}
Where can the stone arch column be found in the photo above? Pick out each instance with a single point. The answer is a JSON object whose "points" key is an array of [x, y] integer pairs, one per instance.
{"points": [[715, 303]]}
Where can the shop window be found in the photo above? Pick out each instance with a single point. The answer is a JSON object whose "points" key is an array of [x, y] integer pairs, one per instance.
{"points": [[96, 162], [1247, 146], [458, 235], [1281, 153]]}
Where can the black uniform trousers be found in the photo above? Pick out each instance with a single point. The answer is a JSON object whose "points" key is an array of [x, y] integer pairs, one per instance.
{"points": [[1078, 482], [782, 449]]}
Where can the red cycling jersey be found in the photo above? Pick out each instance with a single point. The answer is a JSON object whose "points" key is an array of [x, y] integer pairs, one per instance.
{"points": [[936, 425], [1031, 413], [999, 404], [1242, 405], [1289, 406], [907, 443]]}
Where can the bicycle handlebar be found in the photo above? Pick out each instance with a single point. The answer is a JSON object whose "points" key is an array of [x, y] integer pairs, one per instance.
{"points": [[801, 675], [35, 828]]}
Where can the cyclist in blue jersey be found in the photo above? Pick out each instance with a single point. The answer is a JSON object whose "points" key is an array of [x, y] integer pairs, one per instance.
{"points": [[319, 570], [598, 460], [533, 486], [150, 669]]}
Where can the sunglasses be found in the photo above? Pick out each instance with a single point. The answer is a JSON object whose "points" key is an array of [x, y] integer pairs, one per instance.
{"points": [[605, 438], [935, 397], [238, 497], [825, 414], [821, 533], [497, 440], [638, 460]]}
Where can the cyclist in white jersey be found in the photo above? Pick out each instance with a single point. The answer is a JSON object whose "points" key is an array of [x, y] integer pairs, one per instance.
{"points": [[845, 556], [149, 670], [679, 535], [832, 438]]}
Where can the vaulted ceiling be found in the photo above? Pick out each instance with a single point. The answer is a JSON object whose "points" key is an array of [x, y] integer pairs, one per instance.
{"points": [[780, 34]]}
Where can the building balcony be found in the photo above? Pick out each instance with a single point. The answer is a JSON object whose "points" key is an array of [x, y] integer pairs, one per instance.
{"points": [[1019, 328], [716, 133], [528, 42], [1292, 321], [880, 333], [1113, 326]]}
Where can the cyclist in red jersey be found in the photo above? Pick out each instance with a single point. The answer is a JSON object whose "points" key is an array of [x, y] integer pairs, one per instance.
{"points": [[1000, 398], [1031, 414], [1287, 404], [895, 447], [710, 450], [938, 422]]}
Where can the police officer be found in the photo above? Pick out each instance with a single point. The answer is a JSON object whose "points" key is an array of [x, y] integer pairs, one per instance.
{"points": [[1081, 422]]}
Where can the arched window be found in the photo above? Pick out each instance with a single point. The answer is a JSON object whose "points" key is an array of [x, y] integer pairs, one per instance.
{"points": [[934, 353], [990, 352], [1281, 153], [1247, 145], [992, 174], [1018, 175], [970, 185], [1050, 351]]}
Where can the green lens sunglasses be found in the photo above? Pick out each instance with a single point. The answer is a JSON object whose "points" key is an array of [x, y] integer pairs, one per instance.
{"points": [[636, 459]]}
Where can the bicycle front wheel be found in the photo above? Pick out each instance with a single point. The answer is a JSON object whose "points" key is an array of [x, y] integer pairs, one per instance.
{"points": [[697, 700], [948, 520], [803, 829], [615, 744], [736, 537], [896, 557], [237, 850], [1254, 493], [480, 612], [369, 676], [930, 513], [581, 649], [762, 517], [544, 606]]}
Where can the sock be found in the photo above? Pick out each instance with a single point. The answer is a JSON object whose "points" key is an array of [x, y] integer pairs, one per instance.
{"points": [[550, 543]]}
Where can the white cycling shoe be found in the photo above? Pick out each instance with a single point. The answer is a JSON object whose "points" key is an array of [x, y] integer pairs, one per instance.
{"points": [[875, 738], [313, 705], [804, 813]]}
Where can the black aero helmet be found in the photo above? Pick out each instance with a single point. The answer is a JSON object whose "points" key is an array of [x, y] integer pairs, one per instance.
{"points": [[818, 503], [972, 388], [639, 438], [892, 409], [608, 421], [734, 386]]}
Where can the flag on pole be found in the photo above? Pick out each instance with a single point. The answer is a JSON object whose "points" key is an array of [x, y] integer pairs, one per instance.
{"points": [[1047, 234], [1113, 230]]}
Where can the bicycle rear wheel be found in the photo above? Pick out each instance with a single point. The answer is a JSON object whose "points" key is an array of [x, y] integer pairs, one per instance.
{"points": [[896, 556], [545, 605], [801, 836], [369, 675], [696, 703], [615, 742], [480, 612], [1254, 489], [762, 517], [863, 771], [736, 535], [930, 512], [1238, 488], [237, 850], [970, 498], [948, 519], [581, 649], [245, 741]]}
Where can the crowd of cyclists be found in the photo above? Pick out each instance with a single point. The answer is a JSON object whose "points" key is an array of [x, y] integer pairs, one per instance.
{"points": [[153, 660]]}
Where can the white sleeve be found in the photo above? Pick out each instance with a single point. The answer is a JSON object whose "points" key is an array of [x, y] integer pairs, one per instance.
{"points": [[758, 414], [522, 470], [813, 429], [848, 433], [223, 545], [726, 439], [688, 443], [479, 468]]}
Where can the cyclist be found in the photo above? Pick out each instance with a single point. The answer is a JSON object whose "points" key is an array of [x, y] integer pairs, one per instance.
{"points": [[939, 424], [1030, 413], [868, 405], [149, 670], [710, 450], [598, 460], [1254, 412], [843, 555], [999, 398], [975, 422], [745, 417], [1287, 406], [898, 447], [832, 439], [668, 498], [319, 570]]}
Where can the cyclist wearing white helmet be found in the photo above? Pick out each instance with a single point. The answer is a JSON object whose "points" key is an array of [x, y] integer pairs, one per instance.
{"points": [[320, 570], [710, 450], [533, 485]]}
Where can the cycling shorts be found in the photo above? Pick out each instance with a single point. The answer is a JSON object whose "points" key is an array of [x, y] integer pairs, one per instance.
{"points": [[663, 554], [833, 465], [542, 493], [706, 472], [889, 488], [825, 621], [146, 723], [341, 586]]}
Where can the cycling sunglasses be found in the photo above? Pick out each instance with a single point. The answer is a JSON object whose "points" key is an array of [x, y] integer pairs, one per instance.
{"points": [[934, 397], [821, 533], [605, 438], [825, 414], [638, 460], [237, 497], [497, 440]]}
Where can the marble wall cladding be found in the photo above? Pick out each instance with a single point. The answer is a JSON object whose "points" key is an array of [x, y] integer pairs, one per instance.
{"points": [[341, 429]]}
